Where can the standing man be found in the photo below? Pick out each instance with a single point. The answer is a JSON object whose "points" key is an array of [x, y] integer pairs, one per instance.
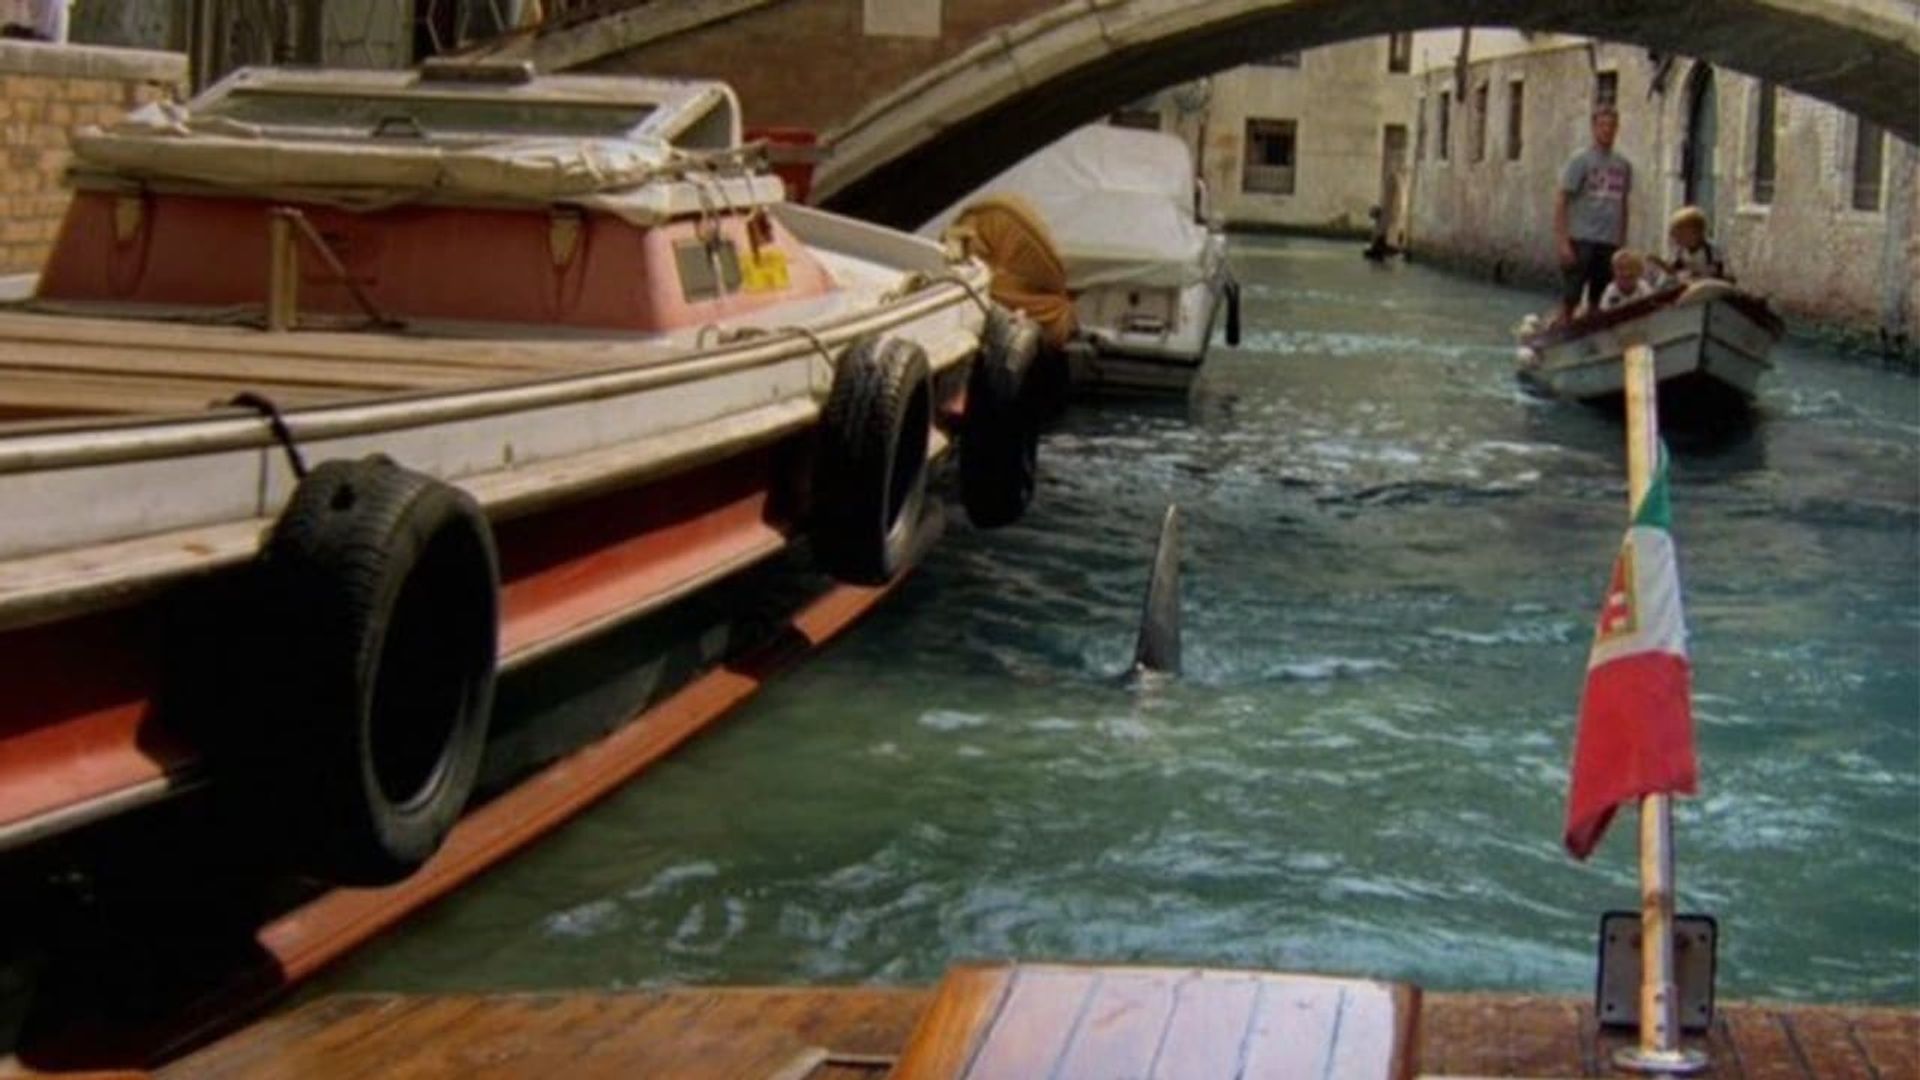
{"points": [[1590, 215]]}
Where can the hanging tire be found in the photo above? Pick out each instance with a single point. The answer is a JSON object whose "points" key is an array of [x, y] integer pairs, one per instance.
{"points": [[1000, 434], [377, 673], [870, 474]]}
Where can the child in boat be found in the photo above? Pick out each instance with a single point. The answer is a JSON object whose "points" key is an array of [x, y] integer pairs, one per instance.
{"points": [[1629, 280], [1694, 259]]}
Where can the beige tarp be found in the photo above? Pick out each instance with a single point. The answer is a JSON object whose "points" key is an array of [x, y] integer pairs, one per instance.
{"points": [[1119, 204], [1005, 233], [621, 176]]}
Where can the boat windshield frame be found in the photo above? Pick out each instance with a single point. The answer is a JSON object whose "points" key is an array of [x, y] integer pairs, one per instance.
{"points": [[434, 116], [336, 105]]}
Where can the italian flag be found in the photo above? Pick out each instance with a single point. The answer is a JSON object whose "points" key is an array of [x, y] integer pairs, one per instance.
{"points": [[1635, 734]]}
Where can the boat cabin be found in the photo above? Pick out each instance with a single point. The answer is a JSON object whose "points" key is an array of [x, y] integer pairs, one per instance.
{"points": [[457, 198]]}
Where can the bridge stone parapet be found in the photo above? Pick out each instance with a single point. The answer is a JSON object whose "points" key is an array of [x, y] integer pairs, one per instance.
{"points": [[799, 63], [906, 155]]}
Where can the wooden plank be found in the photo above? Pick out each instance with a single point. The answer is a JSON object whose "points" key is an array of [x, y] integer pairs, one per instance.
{"points": [[696, 1035], [1121, 1031], [1824, 1039], [1890, 1040], [1293, 1030], [1212, 1014], [1376, 1034], [539, 349], [1542, 1038], [760, 1032], [382, 374], [309, 1031], [94, 393], [963, 1008], [521, 1035], [1760, 1047], [1043, 1007], [408, 1046], [1444, 1044]]}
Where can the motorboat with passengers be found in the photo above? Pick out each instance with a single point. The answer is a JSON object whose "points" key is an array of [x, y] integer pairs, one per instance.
{"points": [[1710, 342]]}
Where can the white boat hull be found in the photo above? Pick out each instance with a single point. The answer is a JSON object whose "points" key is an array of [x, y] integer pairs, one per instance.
{"points": [[1706, 341], [1120, 352], [200, 489]]}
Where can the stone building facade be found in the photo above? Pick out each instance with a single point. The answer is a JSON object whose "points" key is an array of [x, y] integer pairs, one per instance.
{"points": [[1815, 209], [49, 91], [1302, 142], [1313, 140]]}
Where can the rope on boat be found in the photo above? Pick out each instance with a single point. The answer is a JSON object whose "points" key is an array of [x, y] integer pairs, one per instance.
{"points": [[336, 267], [921, 280], [819, 376], [277, 424]]}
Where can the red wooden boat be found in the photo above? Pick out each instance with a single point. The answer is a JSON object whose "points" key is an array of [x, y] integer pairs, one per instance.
{"points": [[342, 392]]}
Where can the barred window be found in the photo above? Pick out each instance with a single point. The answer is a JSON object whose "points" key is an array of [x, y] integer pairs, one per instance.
{"points": [[1270, 157]]}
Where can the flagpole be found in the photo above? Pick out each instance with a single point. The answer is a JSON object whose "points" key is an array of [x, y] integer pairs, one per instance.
{"points": [[1659, 1049]]}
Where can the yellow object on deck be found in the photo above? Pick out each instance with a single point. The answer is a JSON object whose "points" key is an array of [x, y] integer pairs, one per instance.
{"points": [[1028, 276]]}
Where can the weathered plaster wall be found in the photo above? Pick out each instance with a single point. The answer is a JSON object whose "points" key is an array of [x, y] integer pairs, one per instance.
{"points": [[49, 91], [1341, 98], [1808, 250], [133, 24]]}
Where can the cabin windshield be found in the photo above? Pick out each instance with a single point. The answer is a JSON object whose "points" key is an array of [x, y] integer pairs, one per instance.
{"points": [[423, 116]]}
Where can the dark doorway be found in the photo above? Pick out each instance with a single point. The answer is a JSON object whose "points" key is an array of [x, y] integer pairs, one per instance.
{"points": [[1703, 131]]}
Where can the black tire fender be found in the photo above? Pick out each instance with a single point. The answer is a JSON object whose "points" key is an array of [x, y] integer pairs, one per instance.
{"points": [[870, 468], [377, 674], [1000, 433]]}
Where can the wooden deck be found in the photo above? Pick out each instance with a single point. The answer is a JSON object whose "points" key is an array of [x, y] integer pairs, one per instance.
{"points": [[70, 365], [857, 1034]]}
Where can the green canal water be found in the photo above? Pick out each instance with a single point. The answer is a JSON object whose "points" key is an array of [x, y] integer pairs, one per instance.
{"points": [[1394, 557]]}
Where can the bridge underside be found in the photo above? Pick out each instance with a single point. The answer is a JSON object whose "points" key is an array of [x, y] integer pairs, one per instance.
{"points": [[914, 152]]}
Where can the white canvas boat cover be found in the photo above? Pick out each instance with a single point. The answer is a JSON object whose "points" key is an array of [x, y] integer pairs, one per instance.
{"points": [[641, 179], [1119, 203]]}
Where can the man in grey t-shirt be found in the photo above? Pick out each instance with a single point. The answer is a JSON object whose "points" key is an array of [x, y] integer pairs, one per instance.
{"points": [[1590, 215]]}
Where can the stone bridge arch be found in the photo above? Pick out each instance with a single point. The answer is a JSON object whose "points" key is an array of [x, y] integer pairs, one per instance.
{"points": [[912, 152]]}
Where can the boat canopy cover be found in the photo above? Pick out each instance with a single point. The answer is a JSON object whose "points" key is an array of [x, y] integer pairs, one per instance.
{"points": [[361, 139], [1119, 203]]}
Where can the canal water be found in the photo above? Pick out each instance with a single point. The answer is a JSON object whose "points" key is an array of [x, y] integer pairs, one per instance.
{"points": [[1394, 558]]}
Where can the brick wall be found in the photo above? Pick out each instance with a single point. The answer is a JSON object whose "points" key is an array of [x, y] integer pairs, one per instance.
{"points": [[46, 91], [811, 63]]}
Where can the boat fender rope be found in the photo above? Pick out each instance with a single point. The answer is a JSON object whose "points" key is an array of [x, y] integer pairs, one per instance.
{"points": [[819, 377], [986, 305], [276, 423]]}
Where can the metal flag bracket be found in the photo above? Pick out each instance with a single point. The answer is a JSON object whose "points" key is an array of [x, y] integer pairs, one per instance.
{"points": [[1616, 997]]}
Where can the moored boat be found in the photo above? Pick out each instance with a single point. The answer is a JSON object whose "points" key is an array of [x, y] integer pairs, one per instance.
{"points": [[1710, 342], [1146, 276], [343, 392]]}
